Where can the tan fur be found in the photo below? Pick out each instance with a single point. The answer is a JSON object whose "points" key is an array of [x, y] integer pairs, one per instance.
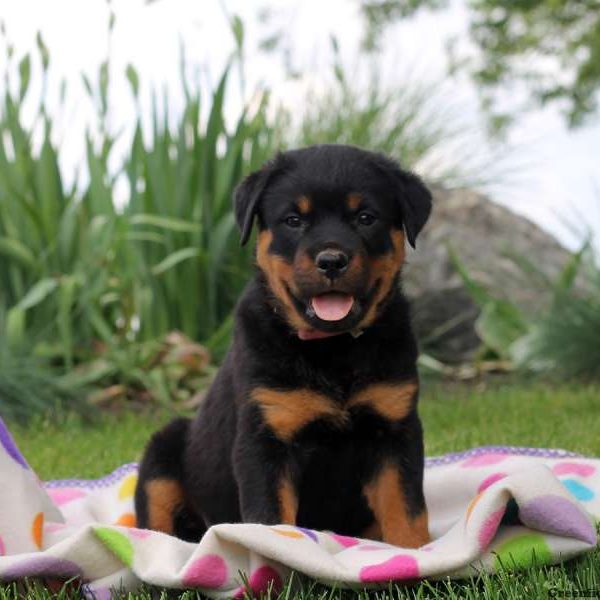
{"points": [[353, 201], [384, 269], [304, 205], [392, 401], [279, 273], [386, 499], [304, 265], [287, 412], [288, 501], [164, 497]]}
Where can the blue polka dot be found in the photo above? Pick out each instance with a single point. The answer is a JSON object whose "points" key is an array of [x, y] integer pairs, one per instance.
{"points": [[580, 491]]}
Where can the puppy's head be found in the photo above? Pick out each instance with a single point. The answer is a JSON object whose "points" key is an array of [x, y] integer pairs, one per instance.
{"points": [[332, 225]]}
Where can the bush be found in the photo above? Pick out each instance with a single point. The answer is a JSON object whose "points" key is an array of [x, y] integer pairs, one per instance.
{"points": [[81, 278], [562, 338], [95, 290], [76, 269]]}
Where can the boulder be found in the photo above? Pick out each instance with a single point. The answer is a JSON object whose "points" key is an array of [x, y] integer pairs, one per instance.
{"points": [[484, 236]]}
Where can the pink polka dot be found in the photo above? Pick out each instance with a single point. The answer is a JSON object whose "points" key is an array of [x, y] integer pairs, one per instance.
{"points": [[263, 579], [489, 480], [344, 540], [572, 468], [399, 567], [489, 528], [484, 460], [140, 534], [62, 496], [209, 571]]}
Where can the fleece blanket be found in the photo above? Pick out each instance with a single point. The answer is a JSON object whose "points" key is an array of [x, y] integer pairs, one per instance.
{"points": [[488, 507]]}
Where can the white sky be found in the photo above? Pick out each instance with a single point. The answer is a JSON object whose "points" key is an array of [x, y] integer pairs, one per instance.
{"points": [[559, 175]]}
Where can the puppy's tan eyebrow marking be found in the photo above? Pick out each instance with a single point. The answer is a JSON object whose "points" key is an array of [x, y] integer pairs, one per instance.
{"points": [[304, 205], [353, 201]]}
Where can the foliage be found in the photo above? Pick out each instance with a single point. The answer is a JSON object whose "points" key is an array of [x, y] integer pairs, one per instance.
{"points": [[97, 289], [378, 13], [551, 46], [412, 121], [180, 210], [85, 283], [28, 385], [566, 338], [78, 274], [501, 323], [562, 337]]}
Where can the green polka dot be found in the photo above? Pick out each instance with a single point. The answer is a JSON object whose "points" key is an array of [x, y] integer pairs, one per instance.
{"points": [[118, 543], [523, 552]]}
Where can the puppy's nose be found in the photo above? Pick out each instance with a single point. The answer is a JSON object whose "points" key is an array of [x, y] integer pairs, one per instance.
{"points": [[331, 263]]}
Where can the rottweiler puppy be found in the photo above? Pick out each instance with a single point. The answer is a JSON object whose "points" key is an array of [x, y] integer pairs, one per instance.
{"points": [[312, 419]]}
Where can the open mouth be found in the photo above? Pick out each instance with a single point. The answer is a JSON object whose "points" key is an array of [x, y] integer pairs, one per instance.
{"points": [[332, 306], [331, 313]]}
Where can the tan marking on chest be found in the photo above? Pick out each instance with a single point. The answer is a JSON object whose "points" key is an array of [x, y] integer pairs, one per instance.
{"points": [[391, 401], [287, 412]]}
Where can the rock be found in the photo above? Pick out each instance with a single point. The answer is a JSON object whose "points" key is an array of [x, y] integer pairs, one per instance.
{"points": [[483, 235]]}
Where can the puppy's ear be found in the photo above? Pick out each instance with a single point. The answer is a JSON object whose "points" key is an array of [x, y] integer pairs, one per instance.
{"points": [[412, 194], [415, 200], [245, 199], [247, 195]]}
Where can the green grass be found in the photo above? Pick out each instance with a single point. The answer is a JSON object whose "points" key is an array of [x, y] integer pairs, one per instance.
{"points": [[456, 417]]}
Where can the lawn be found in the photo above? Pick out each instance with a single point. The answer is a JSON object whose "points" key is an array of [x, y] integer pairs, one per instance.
{"points": [[455, 417]]}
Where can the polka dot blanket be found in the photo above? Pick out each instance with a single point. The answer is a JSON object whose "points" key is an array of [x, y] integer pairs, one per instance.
{"points": [[488, 507]]}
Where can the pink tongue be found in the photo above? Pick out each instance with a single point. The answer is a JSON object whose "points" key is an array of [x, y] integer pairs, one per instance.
{"points": [[332, 306]]}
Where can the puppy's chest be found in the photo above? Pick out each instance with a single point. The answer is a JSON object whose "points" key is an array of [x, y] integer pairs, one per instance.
{"points": [[287, 413]]}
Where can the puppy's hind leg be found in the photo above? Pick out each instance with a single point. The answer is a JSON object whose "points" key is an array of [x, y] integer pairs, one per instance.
{"points": [[159, 496]]}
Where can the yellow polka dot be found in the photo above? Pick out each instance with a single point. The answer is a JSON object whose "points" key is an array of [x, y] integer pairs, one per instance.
{"points": [[126, 520], [127, 488], [288, 533], [37, 529]]}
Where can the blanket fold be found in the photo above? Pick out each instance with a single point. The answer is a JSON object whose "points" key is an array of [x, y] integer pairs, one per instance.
{"points": [[488, 507]]}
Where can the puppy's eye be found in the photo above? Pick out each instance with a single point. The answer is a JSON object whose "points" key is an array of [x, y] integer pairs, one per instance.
{"points": [[365, 218], [293, 221]]}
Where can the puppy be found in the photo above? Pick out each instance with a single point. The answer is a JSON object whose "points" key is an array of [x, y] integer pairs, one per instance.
{"points": [[312, 419]]}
